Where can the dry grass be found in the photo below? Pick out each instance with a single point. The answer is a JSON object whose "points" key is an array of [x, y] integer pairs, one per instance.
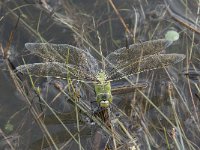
{"points": [[164, 115]]}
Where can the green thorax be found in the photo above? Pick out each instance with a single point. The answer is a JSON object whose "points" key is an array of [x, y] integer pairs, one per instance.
{"points": [[103, 90]]}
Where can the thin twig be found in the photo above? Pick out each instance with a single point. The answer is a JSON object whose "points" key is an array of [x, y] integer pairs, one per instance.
{"points": [[120, 17]]}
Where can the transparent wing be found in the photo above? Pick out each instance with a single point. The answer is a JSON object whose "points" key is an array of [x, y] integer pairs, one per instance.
{"points": [[124, 56], [56, 69], [120, 87], [64, 53], [147, 63]]}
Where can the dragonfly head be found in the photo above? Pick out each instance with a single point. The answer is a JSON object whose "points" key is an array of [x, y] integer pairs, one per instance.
{"points": [[104, 104], [104, 99]]}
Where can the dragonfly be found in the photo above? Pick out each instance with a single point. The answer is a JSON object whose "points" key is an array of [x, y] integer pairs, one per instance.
{"points": [[63, 60]]}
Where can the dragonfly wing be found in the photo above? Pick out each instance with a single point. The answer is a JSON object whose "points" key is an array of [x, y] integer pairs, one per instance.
{"points": [[124, 56], [147, 63], [56, 69], [63, 53], [127, 87]]}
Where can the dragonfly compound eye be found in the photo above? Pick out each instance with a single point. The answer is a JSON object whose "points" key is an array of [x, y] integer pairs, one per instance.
{"points": [[104, 97]]}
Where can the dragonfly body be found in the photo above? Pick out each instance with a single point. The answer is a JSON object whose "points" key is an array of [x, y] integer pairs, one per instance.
{"points": [[103, 90], [65, 60]]}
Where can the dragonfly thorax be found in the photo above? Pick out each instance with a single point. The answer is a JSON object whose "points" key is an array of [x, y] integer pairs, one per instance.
{"points": [[101, 77], [103, 93]]}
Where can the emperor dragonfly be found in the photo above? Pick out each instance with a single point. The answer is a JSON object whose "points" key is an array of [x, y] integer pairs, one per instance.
{"points": [[62, 60]]}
